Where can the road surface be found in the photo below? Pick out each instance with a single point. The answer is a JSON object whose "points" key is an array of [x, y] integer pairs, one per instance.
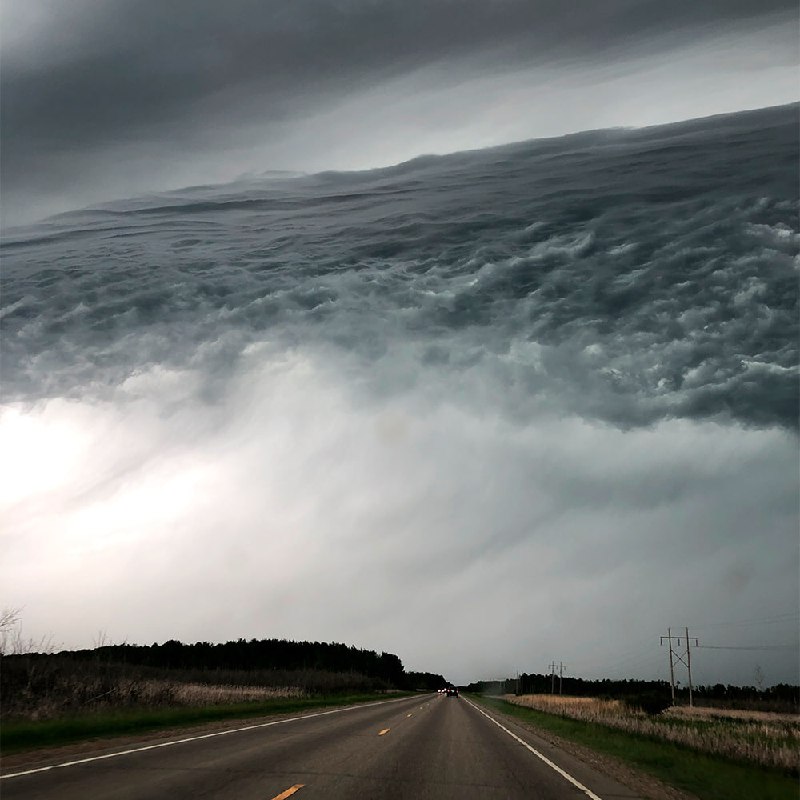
{"points": [[426, 747]]}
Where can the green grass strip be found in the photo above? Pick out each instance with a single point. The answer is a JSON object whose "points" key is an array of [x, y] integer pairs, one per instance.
{"points": [[706, 776], [16, 737]]}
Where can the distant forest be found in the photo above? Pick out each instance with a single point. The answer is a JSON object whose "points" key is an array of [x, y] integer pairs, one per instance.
{"points": [[782, 694]]}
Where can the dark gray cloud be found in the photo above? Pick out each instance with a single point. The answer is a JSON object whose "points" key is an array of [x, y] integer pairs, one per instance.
{"points": [[85, 85], [626, 276], [127, 66]]}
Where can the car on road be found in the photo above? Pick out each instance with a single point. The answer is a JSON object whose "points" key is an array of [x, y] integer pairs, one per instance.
{"points": [[451, 691]]}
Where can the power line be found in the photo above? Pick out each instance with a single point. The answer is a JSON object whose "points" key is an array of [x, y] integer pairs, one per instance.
{"points": [[638, 654], [773, 620], [747, 647]]}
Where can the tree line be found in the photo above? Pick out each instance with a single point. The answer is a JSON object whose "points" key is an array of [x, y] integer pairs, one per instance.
{"points": [[257, 655], [782, 693]]}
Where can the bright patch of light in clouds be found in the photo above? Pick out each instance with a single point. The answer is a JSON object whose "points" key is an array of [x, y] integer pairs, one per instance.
{"points": [[41, 452]]}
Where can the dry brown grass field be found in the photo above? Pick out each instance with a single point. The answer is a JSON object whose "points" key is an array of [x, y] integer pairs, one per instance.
{"points": [[53, 688], [200, 694], [767, 739], [706, 712], [145, 694]]}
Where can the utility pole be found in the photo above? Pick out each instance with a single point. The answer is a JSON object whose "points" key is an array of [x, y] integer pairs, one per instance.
{"points": [[689, 665], [552, 669], [676, 654], [671, 667]]}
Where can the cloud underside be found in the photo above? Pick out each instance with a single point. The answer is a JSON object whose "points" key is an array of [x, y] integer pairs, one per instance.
{"points": [[621, 277], [468, 544]]}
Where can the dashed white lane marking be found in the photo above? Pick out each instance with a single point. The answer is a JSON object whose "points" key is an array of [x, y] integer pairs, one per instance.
{"points": [[533, 750], [384, 732], [194, 738]]}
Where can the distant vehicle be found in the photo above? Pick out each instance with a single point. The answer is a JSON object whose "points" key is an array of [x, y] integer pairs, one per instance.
{"points": [[451, 691]]}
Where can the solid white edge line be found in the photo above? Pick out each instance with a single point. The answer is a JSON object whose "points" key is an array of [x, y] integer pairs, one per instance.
{"points": [[533, 750], [195, 738]]}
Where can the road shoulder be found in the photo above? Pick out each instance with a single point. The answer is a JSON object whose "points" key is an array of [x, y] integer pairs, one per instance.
{"points": [[643, 784]]}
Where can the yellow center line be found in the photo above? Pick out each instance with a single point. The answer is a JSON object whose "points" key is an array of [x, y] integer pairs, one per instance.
{"points": [[382, 733], [289, 792]]}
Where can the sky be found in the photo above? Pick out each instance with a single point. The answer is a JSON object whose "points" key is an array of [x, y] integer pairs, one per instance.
{"points": [[212, 463], [104, 100]]}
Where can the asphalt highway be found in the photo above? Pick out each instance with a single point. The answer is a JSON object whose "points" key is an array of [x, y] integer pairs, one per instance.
{"points": [[426, 747]]}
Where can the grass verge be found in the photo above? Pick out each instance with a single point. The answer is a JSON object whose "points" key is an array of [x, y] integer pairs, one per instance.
{"points": [[17, 737], [706, 777]]}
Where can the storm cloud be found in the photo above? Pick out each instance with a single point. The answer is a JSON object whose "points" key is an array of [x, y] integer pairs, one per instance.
{"points": [[106, 100], [319, 349], [483, 410]]}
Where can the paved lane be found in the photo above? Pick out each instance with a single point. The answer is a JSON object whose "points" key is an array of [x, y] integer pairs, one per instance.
{"points": [[427, 747]]}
